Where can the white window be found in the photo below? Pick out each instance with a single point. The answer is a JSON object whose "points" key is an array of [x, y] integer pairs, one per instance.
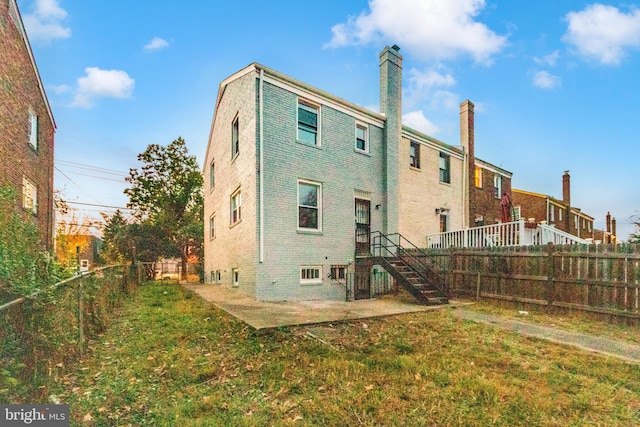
{"points": [[235, 137], [445, 168], [559, 214], [575, 221], [338, 272], [552, 211], [497, 184], [414, 154], [309, 206], [218, 276], [311, 274], [212, 227], [33, 129], [212, 175], [308, 123], [213, 276], [29, 196], [236, 204], [235, 277], [362, 137]]}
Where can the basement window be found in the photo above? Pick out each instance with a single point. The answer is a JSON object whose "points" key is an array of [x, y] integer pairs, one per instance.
{"points": [[310, 275]]}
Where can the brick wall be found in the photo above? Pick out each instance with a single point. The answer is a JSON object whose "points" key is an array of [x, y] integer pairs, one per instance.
{"points": [[483, 201], [20, 92], [421, 192], [234, 246]]}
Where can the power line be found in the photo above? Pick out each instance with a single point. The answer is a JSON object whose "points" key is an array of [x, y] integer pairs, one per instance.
{"points": [[100, 206], [95, 176], [91, 167]]}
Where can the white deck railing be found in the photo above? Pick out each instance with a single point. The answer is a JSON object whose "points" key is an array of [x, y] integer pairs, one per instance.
{"points": [[502, 235]]}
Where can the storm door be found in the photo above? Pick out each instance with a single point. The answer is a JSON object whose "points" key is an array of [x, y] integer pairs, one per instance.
{"points": [[363, 226]]}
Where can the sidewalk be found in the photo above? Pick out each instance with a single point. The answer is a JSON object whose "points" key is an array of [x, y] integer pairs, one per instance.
{"points": [[619, 349]]}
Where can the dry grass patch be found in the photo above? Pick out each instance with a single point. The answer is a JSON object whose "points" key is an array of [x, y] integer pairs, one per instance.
{"points": [[174, 360]]}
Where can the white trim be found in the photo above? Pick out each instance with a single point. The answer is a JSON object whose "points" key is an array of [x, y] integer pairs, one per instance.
{"points": [[212, 226], [237, 192], [318, 108], [318, 202], [235, 281], [308, 269], [367, 139]]}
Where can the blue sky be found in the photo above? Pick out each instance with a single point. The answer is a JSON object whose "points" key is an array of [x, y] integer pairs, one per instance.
{"points": [[554, 82]]}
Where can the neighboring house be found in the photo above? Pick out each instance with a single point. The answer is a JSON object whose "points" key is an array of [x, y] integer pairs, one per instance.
{"points": [[26, 126], [78, 250], [297, 179], [609, 235], [536, 208]]}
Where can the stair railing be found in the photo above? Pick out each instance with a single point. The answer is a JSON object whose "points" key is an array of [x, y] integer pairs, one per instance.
{"points": [[397, 246]]}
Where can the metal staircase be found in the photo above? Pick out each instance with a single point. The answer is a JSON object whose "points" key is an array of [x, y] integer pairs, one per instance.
{"points": [[411, 267]]}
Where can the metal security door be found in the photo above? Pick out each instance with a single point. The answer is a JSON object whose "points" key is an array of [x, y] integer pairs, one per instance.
{"points": [[363, 226]]}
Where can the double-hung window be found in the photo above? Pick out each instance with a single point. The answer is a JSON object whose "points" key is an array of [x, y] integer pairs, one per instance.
{"points": [[212, 175], [309, 206], [362, 137], [235, 137], [311, 274], [236, 203], [414, 155], [308, 119], [497, 185], [33, 130], [445, 168], [212, 226], [29, 196]]}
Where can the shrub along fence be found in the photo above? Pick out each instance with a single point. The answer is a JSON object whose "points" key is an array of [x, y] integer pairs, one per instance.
{"points": [[42, 333], [596, 279]]}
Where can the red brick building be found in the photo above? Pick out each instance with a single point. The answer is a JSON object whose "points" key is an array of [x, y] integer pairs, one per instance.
{"points": [[535, 207], [26, 126]]}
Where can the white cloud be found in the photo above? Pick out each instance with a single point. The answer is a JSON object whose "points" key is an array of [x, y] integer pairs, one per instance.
{"points": [[44, 24], [430, 29], [545, 80], [548, 60], [156, 43], [102, 84], [428, 86], [418, 121], [59, 88], [603, 33]]}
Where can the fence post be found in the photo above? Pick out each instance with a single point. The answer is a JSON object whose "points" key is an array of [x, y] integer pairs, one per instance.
{"points": [[80, 317], [551, 267]]}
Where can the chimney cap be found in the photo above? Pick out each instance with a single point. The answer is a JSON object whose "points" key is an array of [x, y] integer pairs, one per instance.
{"points": [[395, 47], [566, 172]]}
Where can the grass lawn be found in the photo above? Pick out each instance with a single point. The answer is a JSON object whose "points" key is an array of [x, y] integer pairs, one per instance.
{"points": [[171, 359]]}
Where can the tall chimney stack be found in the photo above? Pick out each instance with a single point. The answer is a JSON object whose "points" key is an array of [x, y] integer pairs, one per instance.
{"points": [[467, 141], [608, 225], [566, 188], [391, 107], [614, 238]]}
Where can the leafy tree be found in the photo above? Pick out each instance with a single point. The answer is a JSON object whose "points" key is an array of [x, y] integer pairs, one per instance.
{"points": [[166, 196], [635, 237], [24, 266]]}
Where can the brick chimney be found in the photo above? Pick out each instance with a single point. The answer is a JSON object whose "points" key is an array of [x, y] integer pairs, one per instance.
{"points": [[566, 188], [467, 141], [608, 225], [613, 231], [391, 107]]}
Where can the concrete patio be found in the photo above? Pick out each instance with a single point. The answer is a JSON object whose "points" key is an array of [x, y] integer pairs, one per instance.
{"points": [[265, 315]]}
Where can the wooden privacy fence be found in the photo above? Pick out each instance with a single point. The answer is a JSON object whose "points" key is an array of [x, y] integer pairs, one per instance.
{"points": [[601, 279]]}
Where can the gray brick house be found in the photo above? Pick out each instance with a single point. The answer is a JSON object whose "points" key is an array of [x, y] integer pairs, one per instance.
{"points": [[297, 178]]}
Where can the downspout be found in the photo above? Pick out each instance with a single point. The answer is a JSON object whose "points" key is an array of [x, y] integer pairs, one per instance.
{"points": [[261, 143], [465, 190]]}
